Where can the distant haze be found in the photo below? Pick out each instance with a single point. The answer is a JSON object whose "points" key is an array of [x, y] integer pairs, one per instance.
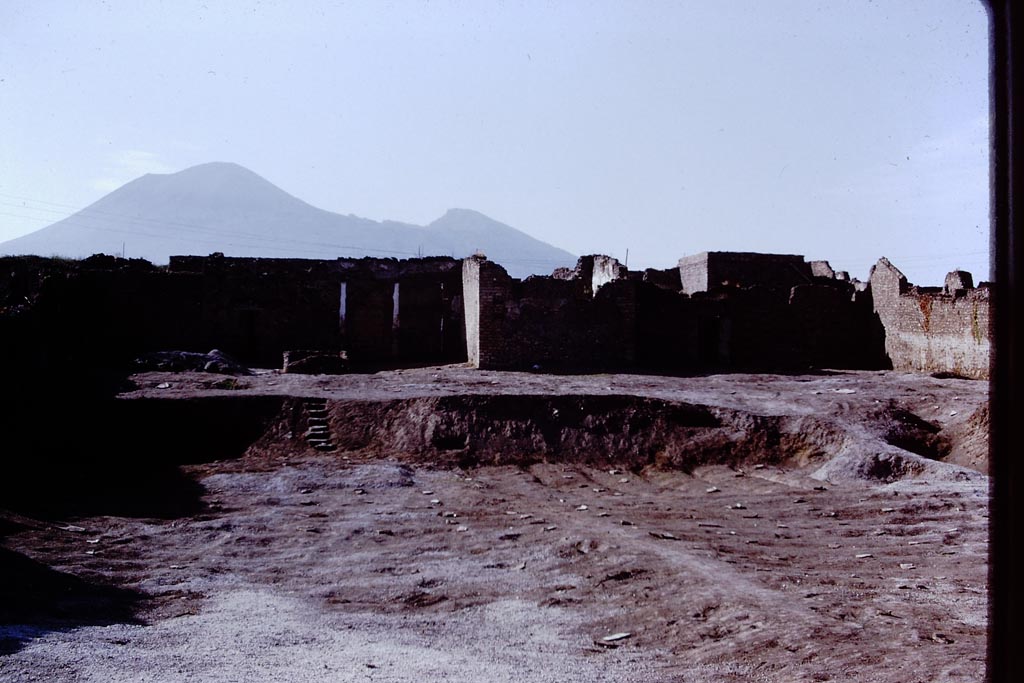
{"points": [[843, 130], [227, 208]]}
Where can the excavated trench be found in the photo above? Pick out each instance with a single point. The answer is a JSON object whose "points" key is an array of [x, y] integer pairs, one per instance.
{"points": [[625, 431], [127, 456]]}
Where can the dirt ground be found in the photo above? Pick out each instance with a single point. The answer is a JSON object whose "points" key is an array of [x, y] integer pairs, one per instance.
{"points": [[368, 565]]}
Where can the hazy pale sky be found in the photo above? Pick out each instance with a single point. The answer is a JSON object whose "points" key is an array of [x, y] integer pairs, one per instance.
{"points": [[838, 130]]}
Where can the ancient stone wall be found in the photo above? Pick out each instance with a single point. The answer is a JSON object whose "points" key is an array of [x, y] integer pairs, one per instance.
{"points": [[766, 312], [546, 322], [932, 329], [377, 310], [708, 270], [104, 311]]}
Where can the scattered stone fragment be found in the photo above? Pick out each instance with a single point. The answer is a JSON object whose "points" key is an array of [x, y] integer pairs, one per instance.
{"points": [[623, 481], [664, 534], [738, 506], [861, 556], [163, 385], [427, 493], [942, 638], [907, 565], [614, 472], [598, 490], [712, 489], [834, 546], [359, 492], [619, 636], [820, 488], [626, 522], [92, 540], [71, 527], [846, 391], [582, 507], [602, 514], [888, 509], [435, 501], [462, 527], [550, 528]]}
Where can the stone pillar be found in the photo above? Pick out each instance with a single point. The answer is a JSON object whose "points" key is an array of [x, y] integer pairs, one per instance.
{"points": [[486, 288], [395, 322]]}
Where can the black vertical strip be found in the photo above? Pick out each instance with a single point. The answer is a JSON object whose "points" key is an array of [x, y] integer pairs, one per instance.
{"points": [[1006, 544]]}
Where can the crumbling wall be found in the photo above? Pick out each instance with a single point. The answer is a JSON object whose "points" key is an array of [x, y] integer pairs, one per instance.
{"points": [[377, 310], [104, 311], [546, 322], [706, 271], [933, 330], [819, 325], [486, 288]]}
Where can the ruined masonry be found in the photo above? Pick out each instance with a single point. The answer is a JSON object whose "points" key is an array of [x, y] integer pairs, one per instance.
{"points": [[716, 311]]}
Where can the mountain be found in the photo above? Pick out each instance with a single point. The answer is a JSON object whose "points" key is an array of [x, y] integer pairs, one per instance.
{"points": [[227, 208]]}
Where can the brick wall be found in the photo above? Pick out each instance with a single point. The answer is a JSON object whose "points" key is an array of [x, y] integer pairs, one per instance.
{"points": [[930, 330], [708, 270], [546, 322], [104, 311]]}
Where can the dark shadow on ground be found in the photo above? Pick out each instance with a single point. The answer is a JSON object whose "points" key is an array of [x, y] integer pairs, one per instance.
{"points": [[35, 600], [84, 456], [64, 489]]}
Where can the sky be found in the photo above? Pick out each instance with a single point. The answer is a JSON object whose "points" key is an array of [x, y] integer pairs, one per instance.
{"points": [[642, 129]]}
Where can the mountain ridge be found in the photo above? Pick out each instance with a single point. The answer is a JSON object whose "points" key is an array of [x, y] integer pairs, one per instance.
{"points": [[225, 207]]}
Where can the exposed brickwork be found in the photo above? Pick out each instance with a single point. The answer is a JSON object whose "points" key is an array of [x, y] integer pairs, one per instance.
{"points": [[602, 316], [104, 311], [706, 271], [929, 330], [546, 322], [743, 311]]}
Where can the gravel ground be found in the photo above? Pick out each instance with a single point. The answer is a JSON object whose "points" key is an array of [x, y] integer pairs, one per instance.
{"points": [[294, 565]]}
